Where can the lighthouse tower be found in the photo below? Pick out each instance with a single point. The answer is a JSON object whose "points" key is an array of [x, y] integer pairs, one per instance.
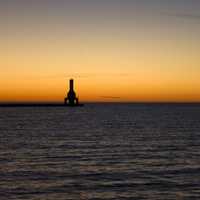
{"points": [[71, 98]]}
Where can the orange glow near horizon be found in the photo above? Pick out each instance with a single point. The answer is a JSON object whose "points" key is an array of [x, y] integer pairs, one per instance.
{"points": [[99, 90]]}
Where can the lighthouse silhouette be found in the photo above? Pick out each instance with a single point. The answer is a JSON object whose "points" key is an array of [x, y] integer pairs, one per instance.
{"points": [[71, 99]]}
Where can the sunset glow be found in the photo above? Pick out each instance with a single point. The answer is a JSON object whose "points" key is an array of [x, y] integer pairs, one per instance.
{"points": [[115, 50]]}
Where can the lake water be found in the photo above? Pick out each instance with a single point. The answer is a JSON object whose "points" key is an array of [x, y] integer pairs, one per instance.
{"points": [[100, 151]]}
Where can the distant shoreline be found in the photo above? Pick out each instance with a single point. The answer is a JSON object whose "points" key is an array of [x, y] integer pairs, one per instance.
{"points": [[102, 103], [37, 105]]}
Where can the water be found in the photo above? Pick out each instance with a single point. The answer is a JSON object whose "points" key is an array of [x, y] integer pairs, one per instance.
{"points": [[100, 151]]}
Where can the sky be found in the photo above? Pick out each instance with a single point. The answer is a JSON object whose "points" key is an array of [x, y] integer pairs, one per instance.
{"points": [[116, 50]]}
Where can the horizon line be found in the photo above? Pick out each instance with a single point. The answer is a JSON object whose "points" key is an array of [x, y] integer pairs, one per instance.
{"points": [[99, 102]]}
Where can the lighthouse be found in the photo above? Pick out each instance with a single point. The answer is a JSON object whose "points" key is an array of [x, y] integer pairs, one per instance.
{"points": [[71, 99]]}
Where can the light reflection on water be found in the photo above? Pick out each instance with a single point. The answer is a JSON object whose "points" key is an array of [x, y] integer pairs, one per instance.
{"points": [[100, 151]]}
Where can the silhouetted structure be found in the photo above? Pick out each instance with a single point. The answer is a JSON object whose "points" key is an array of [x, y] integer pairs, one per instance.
{"points": [[71, 99]]}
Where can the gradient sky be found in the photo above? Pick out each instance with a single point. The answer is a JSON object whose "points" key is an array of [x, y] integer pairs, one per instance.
{"points": [[116, 50]]}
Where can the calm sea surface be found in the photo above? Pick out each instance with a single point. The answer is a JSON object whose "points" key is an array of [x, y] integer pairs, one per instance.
{"points": [[100, 151]]}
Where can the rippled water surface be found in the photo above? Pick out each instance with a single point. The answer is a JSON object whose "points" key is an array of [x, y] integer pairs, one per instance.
{"points": [[100, 151]]}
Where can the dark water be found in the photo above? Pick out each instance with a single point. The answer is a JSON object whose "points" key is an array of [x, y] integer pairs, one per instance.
{"points": [[100, 151]]}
